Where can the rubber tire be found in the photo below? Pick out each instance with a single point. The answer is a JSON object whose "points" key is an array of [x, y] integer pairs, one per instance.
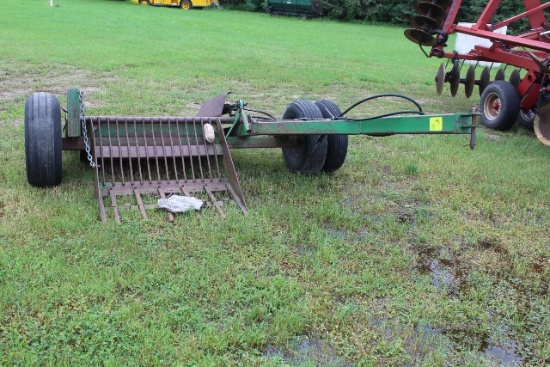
{"points": [[337, 145], [186, 5], [43, 149], [509, 100], [310, 156], [526, 120]]}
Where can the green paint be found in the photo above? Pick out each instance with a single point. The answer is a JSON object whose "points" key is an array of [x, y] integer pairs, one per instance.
{"points": [[73, 113]]}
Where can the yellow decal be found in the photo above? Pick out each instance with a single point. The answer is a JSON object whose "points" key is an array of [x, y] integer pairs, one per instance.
{"points": [[436, 123]]}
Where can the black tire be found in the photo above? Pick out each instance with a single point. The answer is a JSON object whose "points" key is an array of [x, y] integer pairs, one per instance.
{"points": [[43, 140], [499, 105], [186, 5], [526, 119], [337, 145], [310, 155]]}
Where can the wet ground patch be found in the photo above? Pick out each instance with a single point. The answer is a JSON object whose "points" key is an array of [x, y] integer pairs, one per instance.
{"points": [[455, 273], [306, 351]]}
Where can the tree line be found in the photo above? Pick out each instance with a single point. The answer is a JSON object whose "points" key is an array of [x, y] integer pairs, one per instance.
{"points": [[397, 12]]}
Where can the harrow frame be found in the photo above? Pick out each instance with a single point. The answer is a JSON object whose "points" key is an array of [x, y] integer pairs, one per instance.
{"points": [[499, 105]]}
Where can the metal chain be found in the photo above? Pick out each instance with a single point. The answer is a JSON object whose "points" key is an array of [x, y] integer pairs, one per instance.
{"points": [[85, 129]]}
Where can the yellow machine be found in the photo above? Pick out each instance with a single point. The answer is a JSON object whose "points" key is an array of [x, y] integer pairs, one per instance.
{"points": [[184, 4]]}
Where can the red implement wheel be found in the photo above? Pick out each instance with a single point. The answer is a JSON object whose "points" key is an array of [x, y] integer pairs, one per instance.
{"points": [[499, 105]]}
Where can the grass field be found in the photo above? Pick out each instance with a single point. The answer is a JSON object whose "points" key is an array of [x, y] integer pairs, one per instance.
{"points": [[417, 252]]}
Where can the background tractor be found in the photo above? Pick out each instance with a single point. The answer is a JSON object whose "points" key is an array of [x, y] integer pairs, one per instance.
{"points": [[184, 4]]}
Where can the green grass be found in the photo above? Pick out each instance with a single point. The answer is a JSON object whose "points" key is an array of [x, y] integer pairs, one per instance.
{"points": [[417, 252]]}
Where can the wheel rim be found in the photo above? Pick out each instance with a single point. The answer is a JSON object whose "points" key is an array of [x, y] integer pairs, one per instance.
{"points": [[492, 106], [185, 6]]}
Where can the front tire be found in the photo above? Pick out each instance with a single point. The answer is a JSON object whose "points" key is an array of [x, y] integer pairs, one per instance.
{"points": [[499, 105], [310, 155], [43, 150]]}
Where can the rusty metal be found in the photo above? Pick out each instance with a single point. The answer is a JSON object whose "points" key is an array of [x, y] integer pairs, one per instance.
{"points": [[213, 107], [158, 157]]}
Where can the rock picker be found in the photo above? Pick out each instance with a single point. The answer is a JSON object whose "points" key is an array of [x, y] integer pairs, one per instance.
{"points": [[136, 158]]}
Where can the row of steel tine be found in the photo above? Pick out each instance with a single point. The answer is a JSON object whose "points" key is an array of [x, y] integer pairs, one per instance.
{"points": [[159, 156]]}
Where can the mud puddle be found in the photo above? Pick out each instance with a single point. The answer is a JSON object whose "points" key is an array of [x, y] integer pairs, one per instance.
{"points": [[306, 351]]}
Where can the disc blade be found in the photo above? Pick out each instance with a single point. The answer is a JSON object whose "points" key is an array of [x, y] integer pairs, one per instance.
{"points": [[440, 79], [470, 81], [484, 80], [500, 74], [419, 36], [424, 23], [542, 124], [454, 79], [515, 79], [431, 10], [442, 3]]}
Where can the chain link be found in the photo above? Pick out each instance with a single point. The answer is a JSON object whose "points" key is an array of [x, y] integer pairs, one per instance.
{"points": [[85, 129]]}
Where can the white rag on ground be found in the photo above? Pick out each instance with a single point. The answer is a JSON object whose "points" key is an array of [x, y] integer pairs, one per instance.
{"points": [[179, 204]]}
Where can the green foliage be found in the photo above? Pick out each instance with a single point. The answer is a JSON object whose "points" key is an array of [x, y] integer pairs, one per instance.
{"points": [[256, 5], [398, 12]]}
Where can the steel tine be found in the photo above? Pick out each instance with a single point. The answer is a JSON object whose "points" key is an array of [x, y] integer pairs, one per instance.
{"points": [[190, 151], [140, 203], [215, 151], [181, 150], [198, 149], [236, 199], [102, 213], [138, 152], [119, 148], [113, 180], [148, 157], [99, 196], [114, 205], [155, 151], [165, 154], [206, 150], [214, 201], [129, 154], [162, 195], [173, 148], [100, 138]]}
